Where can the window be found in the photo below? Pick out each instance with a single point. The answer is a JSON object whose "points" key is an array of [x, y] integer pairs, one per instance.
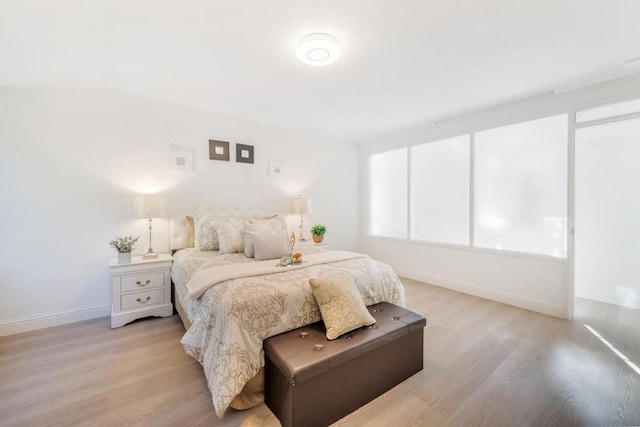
{"points": [[520, 184], [440, 191], [388, 193], [518, 189], [609, 110]]}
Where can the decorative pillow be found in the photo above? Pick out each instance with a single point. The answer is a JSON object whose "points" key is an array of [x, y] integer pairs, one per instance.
{"points": [[192, 231], [206, 238], [270, 244], [341, 305], [230, 236], [274, 223], [206, 234], [249, 246]]}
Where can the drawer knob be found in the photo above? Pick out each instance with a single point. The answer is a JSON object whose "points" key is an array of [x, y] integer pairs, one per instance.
{"points": [[143, 302], [143, 284]]}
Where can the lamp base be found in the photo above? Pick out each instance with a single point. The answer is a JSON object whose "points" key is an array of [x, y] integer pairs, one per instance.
{"points": [[149, 255]]}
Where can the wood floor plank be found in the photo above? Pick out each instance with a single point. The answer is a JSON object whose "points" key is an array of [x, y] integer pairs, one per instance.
{"points": [[485, 364]]}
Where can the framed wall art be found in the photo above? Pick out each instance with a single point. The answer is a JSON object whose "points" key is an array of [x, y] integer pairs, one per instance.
{"points": [[181, 158], [244, 153], [275, 167], [218, 150]]}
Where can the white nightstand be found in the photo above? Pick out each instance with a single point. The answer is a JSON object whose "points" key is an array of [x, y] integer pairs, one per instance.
{"points": [[310, 247], [140, 289]]}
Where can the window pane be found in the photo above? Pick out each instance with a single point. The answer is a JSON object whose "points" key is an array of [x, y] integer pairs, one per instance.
{"points": [[521, 187], [440, 191], [610, 110], [388, 193]]}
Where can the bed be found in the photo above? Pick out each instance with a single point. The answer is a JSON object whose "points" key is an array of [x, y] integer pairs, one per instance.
{"points": [[226, 321]]}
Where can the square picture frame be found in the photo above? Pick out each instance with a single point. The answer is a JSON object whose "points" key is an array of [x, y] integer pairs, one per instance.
{"points": [[181, 159], [218, 150], [244, 153], [275, 168]]}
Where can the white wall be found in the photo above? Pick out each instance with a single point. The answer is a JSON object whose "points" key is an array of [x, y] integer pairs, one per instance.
{"points": [[72, 160], [538, 283], [509, 278]]}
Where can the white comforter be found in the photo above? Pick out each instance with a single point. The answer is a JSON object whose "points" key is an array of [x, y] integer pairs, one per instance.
{"points": [[204, 279], [232, 318]]}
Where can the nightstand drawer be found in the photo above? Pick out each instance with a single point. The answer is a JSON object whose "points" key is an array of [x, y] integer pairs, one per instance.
{"points": [[142, 299], [141, 288], [141, 281]]}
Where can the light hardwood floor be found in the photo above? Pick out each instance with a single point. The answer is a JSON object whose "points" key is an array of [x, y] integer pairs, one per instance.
{"points": [[485, 363]]}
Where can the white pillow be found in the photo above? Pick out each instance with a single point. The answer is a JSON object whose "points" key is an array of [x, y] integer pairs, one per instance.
{"points": [[230, 236], [249, 246], [206, 233], [271, 244], [275, 224]]}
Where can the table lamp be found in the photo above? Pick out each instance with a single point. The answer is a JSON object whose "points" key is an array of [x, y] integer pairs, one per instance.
{"points": [[301, 205], [148, 207]]}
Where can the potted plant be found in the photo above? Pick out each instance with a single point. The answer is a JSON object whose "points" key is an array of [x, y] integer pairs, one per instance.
{"points": [[317, 231], [124, 246]]}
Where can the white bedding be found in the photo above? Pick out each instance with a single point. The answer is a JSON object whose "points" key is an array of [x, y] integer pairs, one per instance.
{"points": [[208, 277], [232, 318]]}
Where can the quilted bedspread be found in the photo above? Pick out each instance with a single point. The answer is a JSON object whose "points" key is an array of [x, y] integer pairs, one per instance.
{"points": [[232, 318]]}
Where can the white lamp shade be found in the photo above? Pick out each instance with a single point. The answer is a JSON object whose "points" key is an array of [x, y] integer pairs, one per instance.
{"points": [[150, 206], [301, 205]]}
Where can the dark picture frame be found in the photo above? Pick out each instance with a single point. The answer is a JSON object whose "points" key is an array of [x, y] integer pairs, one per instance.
{"points": [[244, 153], [218, 150]]}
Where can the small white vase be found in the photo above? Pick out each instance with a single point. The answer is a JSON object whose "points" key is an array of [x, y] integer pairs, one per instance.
{"points": [[124, 257]]}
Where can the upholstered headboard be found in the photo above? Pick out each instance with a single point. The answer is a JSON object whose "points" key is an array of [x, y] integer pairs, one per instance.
{"points": [[179, 228]]}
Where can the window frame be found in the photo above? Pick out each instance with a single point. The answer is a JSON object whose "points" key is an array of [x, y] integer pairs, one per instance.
{"points": [[570, 116]]}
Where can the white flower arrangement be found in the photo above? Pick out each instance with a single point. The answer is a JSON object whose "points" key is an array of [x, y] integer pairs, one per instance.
{"points": [[124, 244]]}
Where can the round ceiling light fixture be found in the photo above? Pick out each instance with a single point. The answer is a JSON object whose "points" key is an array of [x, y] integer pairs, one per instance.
{"points": [[318, 49]]}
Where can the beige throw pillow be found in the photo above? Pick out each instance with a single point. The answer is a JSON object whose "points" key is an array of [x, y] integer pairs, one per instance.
{"points": [[249, 246], [206, 232], [273, 223], [230, 237], [254, 226], [206, 238], [270, 244], [192, 231], [341, 305]]}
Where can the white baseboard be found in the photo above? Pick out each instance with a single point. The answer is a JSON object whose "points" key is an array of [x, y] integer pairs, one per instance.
{"points": [[516, 301], [32, 323], [607, 298]]}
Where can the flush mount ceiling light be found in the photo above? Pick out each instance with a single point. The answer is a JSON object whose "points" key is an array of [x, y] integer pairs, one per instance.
{"points": [[318, 49]]}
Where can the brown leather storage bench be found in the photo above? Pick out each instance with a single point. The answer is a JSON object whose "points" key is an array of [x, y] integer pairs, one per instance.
{"points": [[311, 381]]}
